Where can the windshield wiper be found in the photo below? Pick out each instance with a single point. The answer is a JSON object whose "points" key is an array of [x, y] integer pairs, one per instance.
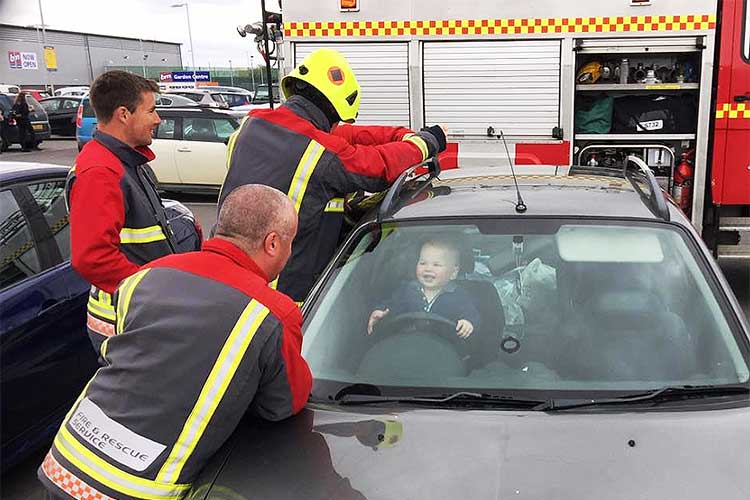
{"points": [[452, 399], [669, 393]]}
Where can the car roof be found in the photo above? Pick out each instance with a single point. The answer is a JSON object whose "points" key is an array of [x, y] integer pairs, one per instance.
{"points": [[164, 111], [71, 97], [11, 171], [491, 192]]}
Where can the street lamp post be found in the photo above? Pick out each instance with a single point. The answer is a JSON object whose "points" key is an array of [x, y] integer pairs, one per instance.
{"points": [[44, 39], [252, 73], [231, 74], [143, 59], [190, 36]]}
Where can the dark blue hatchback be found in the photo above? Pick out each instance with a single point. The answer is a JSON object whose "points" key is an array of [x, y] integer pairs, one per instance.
{"points": [[45, 354]]}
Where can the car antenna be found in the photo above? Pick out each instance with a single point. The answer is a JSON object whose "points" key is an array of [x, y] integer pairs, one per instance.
{"points": [[520, 205]]}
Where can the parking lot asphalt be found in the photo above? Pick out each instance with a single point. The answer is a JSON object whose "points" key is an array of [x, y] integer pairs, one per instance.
{"points": [[20, 483]]}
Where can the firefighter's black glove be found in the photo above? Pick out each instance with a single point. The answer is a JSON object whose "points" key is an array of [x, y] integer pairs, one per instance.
{"points": [[437, 132]]}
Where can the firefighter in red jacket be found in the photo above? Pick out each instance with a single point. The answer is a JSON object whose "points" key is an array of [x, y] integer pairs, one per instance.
{"points": [[116, 217], [301, 149], [201, 338]]}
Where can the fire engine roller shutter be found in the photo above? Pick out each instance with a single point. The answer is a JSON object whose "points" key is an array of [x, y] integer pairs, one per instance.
{"points": [[512, 86], [382, 71]]}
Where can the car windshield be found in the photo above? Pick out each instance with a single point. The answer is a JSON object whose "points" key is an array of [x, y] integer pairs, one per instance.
{"points": [[496, 305]]}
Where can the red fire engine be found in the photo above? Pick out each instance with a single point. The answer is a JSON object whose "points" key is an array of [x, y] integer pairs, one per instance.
{"points": [[566, 83]]}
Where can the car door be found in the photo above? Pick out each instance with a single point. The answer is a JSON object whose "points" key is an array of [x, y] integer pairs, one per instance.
{"points": [[166, 140], [201, 155], [45, 353], [55, 114], [67, 116]]}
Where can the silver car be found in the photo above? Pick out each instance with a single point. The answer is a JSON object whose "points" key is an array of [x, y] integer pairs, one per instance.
{"points": [[608, 357]]}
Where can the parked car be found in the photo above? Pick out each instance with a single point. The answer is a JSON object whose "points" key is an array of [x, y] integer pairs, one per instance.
{"points": [[86, 118], [9, 129], [45, 352], [168, 101], [609, 360], [46, 355], [85, 122], [233, 96], [37, 94], [79, 91], [191, 146], [261, 94], [201, 97], [9, 89], [62, 113], [226, 88]]}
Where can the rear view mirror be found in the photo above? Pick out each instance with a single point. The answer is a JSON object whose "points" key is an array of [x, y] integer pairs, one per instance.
{"points": [[608, 244]]}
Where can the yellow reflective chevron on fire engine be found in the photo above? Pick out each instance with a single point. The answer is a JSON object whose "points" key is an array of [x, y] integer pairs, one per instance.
{"points": [[733, 111], [305, 169], [142, 235], [494, 27], [213, 390]]}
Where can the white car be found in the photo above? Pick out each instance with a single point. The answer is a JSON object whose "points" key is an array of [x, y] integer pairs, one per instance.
{"points": [[72, 91], [191, 147]]}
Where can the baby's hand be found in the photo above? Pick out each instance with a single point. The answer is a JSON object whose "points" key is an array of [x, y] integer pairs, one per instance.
{"points": [[464, 328], [376, 316]]}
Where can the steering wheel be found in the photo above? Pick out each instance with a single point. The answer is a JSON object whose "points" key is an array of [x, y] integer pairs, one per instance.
{"points": [[414, 345], [422, 322]]}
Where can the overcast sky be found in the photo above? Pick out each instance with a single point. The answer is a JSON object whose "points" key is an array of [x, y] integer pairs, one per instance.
{"points": [[213, 23]]}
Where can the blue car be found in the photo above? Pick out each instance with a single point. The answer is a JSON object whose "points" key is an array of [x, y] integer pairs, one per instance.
{"points": [[85, 122], [45, 354]]}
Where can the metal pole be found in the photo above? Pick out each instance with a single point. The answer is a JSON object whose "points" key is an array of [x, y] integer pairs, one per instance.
{"points": [[268, 59], [192, 51], [143, 59], [44, 38], [231, 74], [252, 75]]}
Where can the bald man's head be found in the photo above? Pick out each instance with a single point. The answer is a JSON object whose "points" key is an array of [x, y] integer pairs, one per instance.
{"points": [[262, 221]]}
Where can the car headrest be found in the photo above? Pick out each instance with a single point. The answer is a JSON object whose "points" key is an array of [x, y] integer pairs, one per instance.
{"points": [[626, 309]]}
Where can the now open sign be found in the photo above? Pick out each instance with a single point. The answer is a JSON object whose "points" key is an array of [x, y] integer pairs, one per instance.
{"points": [[22, 60]]}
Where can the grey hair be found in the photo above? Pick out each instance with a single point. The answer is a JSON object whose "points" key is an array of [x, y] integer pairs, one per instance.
{"points": [[252, 211]]}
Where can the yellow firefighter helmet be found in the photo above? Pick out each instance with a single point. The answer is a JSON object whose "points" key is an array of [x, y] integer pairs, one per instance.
{"points": [[329, 72], [590, 73]]}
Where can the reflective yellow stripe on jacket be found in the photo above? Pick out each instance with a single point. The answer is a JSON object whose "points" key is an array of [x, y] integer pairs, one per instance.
{"points": [[101, 307], [107, 474], [418, 142], [305, 169], [213, 390], [125, 293], [142, 235]]}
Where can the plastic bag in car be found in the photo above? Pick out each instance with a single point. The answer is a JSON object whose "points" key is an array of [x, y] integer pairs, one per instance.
{"points": [[529, 293]]}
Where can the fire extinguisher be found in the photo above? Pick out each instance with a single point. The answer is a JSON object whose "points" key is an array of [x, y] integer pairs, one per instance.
{"points": [[682, 191]]}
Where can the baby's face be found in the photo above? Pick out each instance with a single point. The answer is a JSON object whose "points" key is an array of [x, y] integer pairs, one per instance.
{"points": [[436, 267]]}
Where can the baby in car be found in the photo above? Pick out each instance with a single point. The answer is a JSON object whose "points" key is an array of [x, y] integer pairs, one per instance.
{"points": [[433, 291]]}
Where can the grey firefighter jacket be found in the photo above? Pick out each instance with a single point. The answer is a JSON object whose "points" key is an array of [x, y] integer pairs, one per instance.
{"points": [[117, 222], [293, 149], [201, 338]]}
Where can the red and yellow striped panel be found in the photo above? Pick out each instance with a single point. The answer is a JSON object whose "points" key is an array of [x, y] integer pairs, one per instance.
{"points": [[733, 111], [622, 24]]}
